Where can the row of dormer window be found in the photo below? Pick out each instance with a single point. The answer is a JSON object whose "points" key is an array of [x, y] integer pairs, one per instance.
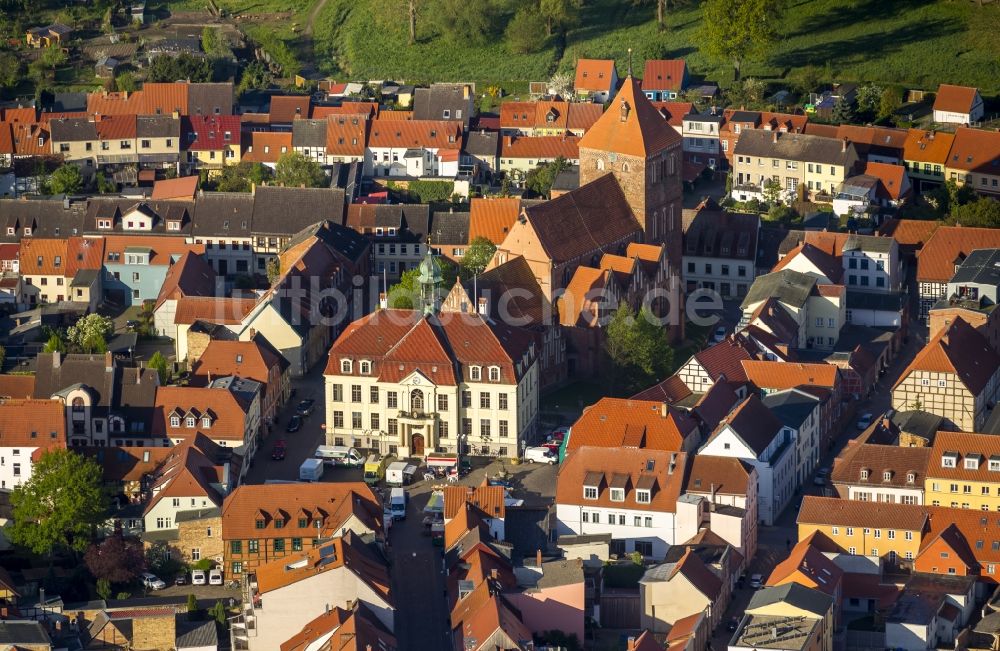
{"points": [[190, 421], [475, 372], [971, 461], [642, 496], [887, 475]]}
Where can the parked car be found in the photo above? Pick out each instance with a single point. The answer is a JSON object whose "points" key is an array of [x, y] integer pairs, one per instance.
{"points": [[865, 421], [152, 581], [734, 623], [756, 581], [294, 424], [180, 579], [719, 334], [215, 577], [198, 577], [305, 407], [278, 452]]}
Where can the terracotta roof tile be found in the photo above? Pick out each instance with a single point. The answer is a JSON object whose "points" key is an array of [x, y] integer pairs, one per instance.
{"points": [[267, 147], [808, 566], [927, 146], [788, 375], [974, 526], [164, 98], [430, 134], [32, 423], [726, 359], [333, 503], [31, 139], [671, 390], [826, 264], [594, 74], [704, 580], [975, 150], [43, 257], [909, 232], [20, 114], [673, 112], [948, 246], [346, 135], [247, 359], [879, 459], [642, 133], [665, 479], [6, 139], [663, 74], [228, 415], [958, 349], [492, 217], [594, 215], [163, 250], [890, 177], [16, 386], [966, 444], [726, 475], [184, 187], [853, 513], [618, 422], [583, 296], [488, 499], [285, 108], [212, 310], [954, 99]]}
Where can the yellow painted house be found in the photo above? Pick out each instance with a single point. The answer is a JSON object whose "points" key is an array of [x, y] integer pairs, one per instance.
{"points": [[964, 471], [211, 141], [878, 529]]}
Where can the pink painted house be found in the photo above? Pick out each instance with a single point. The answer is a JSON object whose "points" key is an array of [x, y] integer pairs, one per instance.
{"points": [[552, 595]]}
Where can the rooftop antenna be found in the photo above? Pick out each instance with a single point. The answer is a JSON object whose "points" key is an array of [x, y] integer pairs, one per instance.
{"points": [[630, 62]]}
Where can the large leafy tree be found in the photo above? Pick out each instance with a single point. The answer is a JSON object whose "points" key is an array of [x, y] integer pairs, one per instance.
{"points": [[238, 178], [160, 364], [60, 505], [115, 559], [66, 179], [560, 14], [467, 22], [10, 69], [983, 212], [540, 179], [404, 294], [295, 169], [637, 349], [477, 256], [90, 334], [738, 31]]}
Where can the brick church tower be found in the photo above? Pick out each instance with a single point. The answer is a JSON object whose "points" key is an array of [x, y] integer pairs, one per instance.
{"points": [[632, 141]]}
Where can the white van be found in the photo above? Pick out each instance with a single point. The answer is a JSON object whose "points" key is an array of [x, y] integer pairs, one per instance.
{"points": [[540, 455], [215, 577], [394, 474], [311, 470], [340, 455], [198, 577], [397, 503]]}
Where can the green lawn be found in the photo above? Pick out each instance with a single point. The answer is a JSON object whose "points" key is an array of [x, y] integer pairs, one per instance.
{"points": [[890, 41]]}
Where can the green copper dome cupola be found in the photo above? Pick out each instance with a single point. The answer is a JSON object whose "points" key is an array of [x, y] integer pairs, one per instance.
{"points": [[429, 279]]}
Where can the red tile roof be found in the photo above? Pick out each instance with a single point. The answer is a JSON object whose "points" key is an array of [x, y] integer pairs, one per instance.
{"points": [[184, 187], [975, 150], [189, 276], [6, 139], [31, 139], [909, 232], [788, 375], [825, 264], [492, 217], [724, 475], [583, 296], [619, 422], [267, 147], [879, 459], [890, 178], [670, 391], [966, 444], [594, 74], [832, 511], [540, 147], [954, 99], [164, 98], [32, 424], [808, 566], [928, 146], [210, 132], [673, 112], [346, 135], [247, 359], [163, 250], [20, 114], [948, 246], [115, 127], [285, 108], [642, 133], [227, 413], [958, 349], [43, 257], [663, 74], [488, 499], [17, 386], [627, 468], [212, 310], [725, 359], [429, 134]]}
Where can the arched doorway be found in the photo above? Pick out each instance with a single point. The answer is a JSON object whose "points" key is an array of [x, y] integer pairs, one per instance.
{"points": [[417, 445]]}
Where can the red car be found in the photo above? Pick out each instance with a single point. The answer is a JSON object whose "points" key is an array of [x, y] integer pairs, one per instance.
{"points": [[278, 453]]}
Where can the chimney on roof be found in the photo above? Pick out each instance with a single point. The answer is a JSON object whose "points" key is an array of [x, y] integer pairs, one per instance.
{"points": [[774, 137], [484, 309], [843, 145], [631, 644], [493, 573], [383, 301], [56, 359], [663, 410], [712, 493], [109, 362], [538, 557]]}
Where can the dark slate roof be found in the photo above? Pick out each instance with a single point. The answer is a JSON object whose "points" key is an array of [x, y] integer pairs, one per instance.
{"points": [[196, 635], [161, 211], [157, 126], [791, 407], [430, 103], [795, 146], [924, 423], [228, 214], [879, 301], [72, 130], [753, 423], [745, 116], [450, 228], [871, 243], [483, 144], [309, 133], [794, 594], [345, 241], [46, 217], [210, 98], [710, 231], [282, 211], [787, 286], [568, 179], [769, 241], [981, 267], [68, 102], [22, 633]]}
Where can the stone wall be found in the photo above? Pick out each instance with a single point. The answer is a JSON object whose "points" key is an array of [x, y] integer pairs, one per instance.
{"points": [[154, 633]]}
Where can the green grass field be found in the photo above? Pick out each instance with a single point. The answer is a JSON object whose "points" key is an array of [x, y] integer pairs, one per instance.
{"points": [[915, 44]]}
